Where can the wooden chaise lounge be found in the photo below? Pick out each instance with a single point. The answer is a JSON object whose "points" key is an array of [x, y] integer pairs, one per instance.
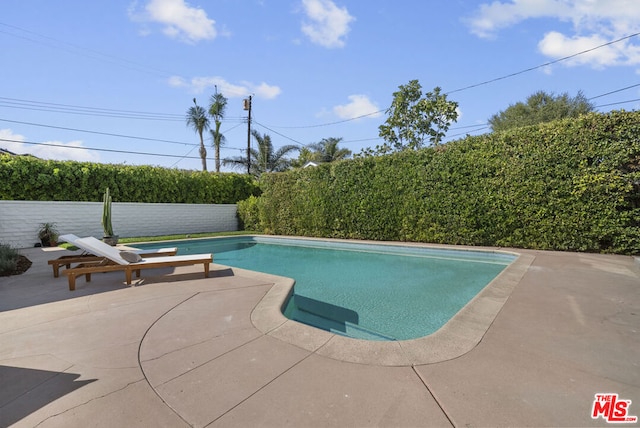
{"points": [[66, 261], [112, 260]]}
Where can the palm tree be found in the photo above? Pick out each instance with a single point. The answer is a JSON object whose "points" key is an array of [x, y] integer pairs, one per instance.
{"points": [[218, 141], [217, 107], [327, 150], [198, 120], [305, 156], [264, 158]]}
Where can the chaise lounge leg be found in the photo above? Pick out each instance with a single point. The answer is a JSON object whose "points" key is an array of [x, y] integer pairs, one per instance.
{"points": [[206, 270], [72, 282], [127, 274]]}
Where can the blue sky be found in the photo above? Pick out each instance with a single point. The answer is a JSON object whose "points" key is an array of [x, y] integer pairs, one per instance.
{"points": [[104, 81]]}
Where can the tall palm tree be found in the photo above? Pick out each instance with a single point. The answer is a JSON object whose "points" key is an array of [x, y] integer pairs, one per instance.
{"points": [[218, 141], [198, 120], [264, 158], [217, 107], [327, 150]]}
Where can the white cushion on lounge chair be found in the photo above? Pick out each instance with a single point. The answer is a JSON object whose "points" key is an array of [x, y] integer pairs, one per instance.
{"points": [[99, 248], [73, 240]]}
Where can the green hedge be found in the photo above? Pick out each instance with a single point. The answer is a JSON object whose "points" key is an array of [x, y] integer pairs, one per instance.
{"points": [[567, 185], [28, 178]]}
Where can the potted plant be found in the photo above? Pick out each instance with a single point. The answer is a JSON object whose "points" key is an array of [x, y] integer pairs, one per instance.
{"points": [[108, 237], [48, 234]]}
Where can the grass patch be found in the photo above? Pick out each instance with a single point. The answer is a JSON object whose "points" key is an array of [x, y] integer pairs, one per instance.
{"points": [[139, 239], [68, 246], [183, 236]]}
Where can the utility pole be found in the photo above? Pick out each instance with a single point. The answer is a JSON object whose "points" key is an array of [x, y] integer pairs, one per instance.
{"points": [[247, 106]]}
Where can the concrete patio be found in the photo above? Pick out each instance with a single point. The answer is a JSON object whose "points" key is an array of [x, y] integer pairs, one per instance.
{"points": [[179, 350]]}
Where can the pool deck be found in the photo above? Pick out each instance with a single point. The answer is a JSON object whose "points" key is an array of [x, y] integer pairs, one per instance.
{"points": [[179, 350]]}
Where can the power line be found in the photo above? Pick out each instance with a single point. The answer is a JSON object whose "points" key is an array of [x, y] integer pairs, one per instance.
{"points": [[467, 126], [129, 114], [97, 132], [331, 123], [482, 125], [278, 133], [87, 113], [109, 133], [69, 108], [98, 149], [613, 92], [361, 140], [619, 102], [182, 143], [467, 133], [542, 65], [183, 157], [128, 152], [82, 51], [94, 111], [588, 99], [488, 82]]}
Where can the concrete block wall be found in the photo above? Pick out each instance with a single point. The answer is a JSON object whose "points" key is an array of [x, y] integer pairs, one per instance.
{"points": [[20, 220]]}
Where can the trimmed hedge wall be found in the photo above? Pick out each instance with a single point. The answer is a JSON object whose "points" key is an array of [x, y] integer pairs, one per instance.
{"points": [[28, 178], [567, 185]]}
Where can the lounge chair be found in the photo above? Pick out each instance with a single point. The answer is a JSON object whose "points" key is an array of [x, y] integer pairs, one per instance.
{"points": [[66, 261], [112, 260]]}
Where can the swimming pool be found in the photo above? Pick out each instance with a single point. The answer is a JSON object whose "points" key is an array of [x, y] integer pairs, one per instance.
{"points": [[365, 291]]}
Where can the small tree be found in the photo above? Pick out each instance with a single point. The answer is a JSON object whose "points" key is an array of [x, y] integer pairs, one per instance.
{"points": [[414, 118], [540, 107]]}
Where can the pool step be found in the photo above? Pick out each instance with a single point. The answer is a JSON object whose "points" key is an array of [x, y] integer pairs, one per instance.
{"points": [[343, 328]]}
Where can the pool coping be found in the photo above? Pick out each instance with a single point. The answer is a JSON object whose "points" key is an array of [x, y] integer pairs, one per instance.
{"points": [[457, 337]]}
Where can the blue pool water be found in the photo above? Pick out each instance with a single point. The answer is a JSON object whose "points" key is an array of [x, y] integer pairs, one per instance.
{"points": [[374, 292]]}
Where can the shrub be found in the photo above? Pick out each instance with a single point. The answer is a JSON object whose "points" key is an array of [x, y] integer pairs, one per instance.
{"points": [[573, 185], [8, 259], [249, 214], [28, 178]]}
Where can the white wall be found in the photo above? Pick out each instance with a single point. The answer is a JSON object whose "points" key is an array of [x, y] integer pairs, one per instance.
{"points": [[20, 220]]}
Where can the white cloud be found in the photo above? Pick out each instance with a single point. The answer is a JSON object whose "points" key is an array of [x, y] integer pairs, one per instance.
{"points": [[594, 22], [177, 82], [178, 18], [557, 45], [327, 24], [497, 15], [198, 85], [72, 150], [358, 105], [266, 91]]}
